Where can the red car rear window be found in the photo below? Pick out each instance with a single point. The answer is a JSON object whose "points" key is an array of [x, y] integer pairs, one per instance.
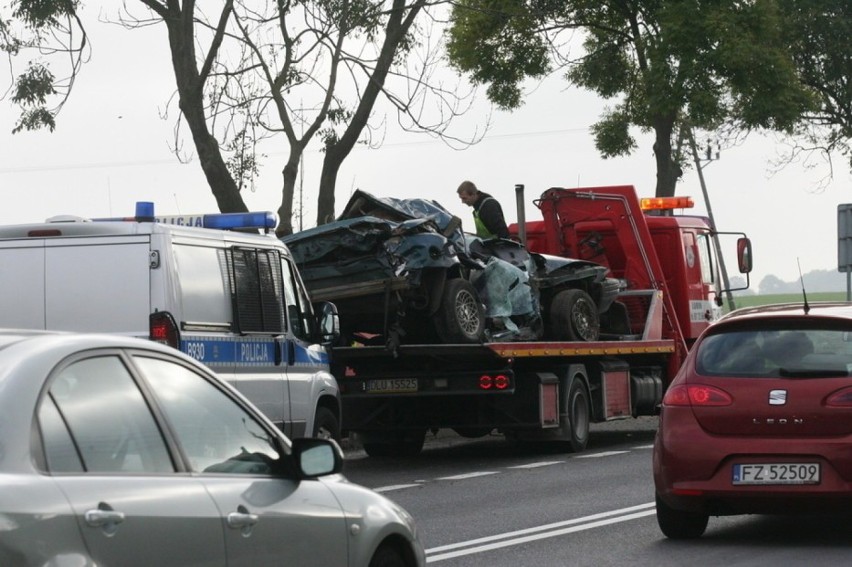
{"points": [[776, 352]]}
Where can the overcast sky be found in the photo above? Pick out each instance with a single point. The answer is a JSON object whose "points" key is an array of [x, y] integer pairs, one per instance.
{"points": [[111, 148]]}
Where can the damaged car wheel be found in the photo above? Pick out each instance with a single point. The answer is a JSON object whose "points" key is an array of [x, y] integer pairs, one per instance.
{"points": [[574, 316], [461, 316]]}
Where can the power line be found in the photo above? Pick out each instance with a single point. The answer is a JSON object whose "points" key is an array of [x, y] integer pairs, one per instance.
{"points": [[120, 164]]}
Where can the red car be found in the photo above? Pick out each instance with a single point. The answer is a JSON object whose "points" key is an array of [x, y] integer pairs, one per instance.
{"points": [[759, 419]]}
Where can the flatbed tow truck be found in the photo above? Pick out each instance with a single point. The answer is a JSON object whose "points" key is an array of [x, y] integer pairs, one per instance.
{"points": [[552, 390]]}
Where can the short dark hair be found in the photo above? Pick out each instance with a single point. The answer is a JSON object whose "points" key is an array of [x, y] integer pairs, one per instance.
{"points": [[467, 187]]}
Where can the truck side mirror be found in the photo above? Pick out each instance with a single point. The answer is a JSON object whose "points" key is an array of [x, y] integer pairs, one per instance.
{"points": [[329, 322], [744, 259]]}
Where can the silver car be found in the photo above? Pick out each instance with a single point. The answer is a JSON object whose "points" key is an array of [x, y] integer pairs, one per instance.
{"points": [[120, 451]]}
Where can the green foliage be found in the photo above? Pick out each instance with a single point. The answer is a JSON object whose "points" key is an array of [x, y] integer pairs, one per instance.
{"points": [[612, 134], [497, 42], [34, 86], [35, 118], [672, 64], [242, 162], [818, 33], [31, 92], [40, 14], [51, 28]]}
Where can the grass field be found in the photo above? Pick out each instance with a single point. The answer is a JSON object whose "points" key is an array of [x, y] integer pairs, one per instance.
{"points": [[752, 300]]}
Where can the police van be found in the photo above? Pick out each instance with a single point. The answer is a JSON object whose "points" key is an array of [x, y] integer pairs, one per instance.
{"points": [[212, 286]]}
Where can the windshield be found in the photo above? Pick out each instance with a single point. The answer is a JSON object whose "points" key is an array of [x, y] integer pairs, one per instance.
{"points": [[777, 352]]}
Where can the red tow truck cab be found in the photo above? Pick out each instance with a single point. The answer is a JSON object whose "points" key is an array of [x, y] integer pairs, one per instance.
{"points": [[644, 243]]}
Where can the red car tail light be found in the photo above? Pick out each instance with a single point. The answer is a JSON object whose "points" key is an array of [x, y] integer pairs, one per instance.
{"points": [[840, 399], [696, 395]]}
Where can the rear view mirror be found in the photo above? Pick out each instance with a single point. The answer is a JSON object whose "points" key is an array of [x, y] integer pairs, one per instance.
{"points": [[317, 457], [744, 259], [329, 322]]}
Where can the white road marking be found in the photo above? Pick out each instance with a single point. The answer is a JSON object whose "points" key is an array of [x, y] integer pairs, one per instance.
{"points": [[604, 454], [392, 487], [467, 475], [518, 537], [644, 447], [536, 465]]}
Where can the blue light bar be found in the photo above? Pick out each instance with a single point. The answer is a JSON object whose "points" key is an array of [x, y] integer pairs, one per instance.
{"points": [[264, 220], [224, 221], [227, 221]]}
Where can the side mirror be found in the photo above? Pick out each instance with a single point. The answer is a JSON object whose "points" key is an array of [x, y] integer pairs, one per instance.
{"points": [[744, 258], [317, 457], [329, 322]]}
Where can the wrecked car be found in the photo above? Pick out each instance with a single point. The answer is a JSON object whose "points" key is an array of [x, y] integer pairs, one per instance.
{"points": [[401, 271]]}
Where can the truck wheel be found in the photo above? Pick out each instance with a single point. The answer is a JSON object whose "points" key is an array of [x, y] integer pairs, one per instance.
{"points": [[678, 524], [577, 406], [574, 316], [326, 425], [406, 444], [460, 317]]}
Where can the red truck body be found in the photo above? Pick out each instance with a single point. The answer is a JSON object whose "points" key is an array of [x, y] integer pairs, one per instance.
{"points": [[552, 390]]}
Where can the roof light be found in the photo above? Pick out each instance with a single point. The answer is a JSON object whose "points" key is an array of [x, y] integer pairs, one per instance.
{"points": [[665, 203], [145, 211], [224, 221], [266, 220]]}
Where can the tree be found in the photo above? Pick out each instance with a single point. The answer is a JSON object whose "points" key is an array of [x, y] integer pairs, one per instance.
{"points": [[239, 73], [46, 29], [669, 65], [818, 33]]}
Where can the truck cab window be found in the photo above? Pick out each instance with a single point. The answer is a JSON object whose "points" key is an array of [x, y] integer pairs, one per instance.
{"points": [[299, 311], [704, 247]]}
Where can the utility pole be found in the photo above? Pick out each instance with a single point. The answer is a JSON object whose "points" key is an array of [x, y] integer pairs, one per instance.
{"points": [[716, 245]]}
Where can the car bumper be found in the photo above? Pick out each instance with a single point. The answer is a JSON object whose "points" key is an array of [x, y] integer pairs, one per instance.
{"points": [[694, 471]]}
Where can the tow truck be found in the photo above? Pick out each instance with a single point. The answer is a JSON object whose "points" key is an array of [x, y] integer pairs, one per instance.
{"points": [[551, 390]]}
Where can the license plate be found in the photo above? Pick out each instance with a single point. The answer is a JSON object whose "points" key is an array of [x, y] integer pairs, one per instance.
{"points": [[776, 473], [392, 385]]}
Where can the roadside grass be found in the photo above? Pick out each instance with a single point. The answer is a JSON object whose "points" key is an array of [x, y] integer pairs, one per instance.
{"points": [[754, 300]]}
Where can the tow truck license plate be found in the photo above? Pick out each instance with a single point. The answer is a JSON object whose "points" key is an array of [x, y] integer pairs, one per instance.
{"points": [[392, 385], [776, 473]]}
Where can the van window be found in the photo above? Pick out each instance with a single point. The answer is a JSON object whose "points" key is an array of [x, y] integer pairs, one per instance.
{"points": [[259, 297], [204, 288], [299, 310]]}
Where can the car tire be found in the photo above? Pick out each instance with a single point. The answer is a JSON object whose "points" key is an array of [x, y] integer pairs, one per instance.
{"points": [[578, 415], [574, 316], [679, 524], [461, 316], [387, 556], [407, 444], [326, 425]]}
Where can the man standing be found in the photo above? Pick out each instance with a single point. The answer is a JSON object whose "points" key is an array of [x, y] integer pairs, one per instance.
{"points": [[487, 212]]}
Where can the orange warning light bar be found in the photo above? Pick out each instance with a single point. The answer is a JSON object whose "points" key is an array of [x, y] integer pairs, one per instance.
{"points": [[665, 203]]}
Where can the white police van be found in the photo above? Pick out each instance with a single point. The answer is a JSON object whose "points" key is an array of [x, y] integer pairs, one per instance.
{"points": [[232, 300]]}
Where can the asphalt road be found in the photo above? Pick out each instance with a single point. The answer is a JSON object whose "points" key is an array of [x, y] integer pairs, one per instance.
{"points": [[489, 503]]}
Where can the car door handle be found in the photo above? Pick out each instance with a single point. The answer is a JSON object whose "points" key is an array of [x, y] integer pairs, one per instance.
{"points": [[239, 520], [101, 518]]}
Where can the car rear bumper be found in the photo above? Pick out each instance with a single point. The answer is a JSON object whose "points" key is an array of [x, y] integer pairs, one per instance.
{"points": [[694, 471]]}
